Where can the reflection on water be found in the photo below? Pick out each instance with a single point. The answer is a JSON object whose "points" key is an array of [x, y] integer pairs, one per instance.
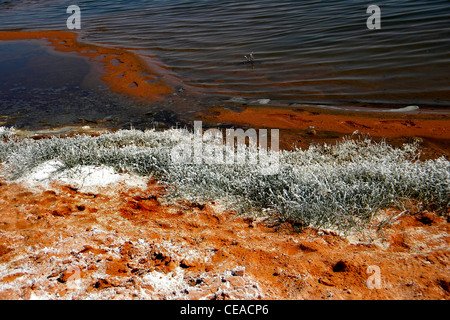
{"points": [[318, 52]]}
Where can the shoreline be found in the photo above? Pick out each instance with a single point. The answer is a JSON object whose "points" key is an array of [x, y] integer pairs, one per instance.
{"points": [[301, 126], [125, 72]]}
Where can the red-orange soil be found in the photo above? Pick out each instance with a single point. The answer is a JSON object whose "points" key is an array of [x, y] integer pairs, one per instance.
{"points": [[302, 126], [125, 72], [119, 243]]}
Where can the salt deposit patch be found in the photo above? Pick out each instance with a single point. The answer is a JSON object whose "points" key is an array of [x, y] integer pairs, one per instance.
{"points": [[405, 109], [165, 284], [82, 177]]}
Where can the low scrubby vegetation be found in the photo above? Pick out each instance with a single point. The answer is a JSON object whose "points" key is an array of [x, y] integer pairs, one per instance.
{"points": [[340, 186]]}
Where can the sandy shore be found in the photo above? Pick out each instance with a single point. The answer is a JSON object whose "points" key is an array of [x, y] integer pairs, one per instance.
{"points": [[124, 242]]}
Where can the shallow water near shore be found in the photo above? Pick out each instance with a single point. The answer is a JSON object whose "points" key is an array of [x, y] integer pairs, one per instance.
{"points": [[312, 52], [41, 88]]}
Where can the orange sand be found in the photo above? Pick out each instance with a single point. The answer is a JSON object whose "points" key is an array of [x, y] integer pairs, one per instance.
{"points": [[126, 73], [117, 238]]}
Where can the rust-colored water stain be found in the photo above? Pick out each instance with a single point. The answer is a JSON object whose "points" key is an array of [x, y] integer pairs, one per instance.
{"points": [[125, 72]]}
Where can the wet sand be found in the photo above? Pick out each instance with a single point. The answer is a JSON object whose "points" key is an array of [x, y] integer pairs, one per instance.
{"points": [[300, 126]]}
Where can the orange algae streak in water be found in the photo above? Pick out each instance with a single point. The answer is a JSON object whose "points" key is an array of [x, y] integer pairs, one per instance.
{"points": [[126, 73]]}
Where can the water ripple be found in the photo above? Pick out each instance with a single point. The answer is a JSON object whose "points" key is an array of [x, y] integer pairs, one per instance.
{"points": [[317, 51]]}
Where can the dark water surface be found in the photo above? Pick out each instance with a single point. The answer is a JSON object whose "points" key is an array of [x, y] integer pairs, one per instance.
{"points": [[317, 52]]}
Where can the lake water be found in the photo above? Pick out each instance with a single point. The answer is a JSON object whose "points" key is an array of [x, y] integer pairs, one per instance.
{"points": [[312, 52]]}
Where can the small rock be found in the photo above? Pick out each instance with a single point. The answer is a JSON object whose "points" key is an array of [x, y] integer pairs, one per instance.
{"points": [[238, 99], [263, 101], [71, 273], [326, 282], [311, 131], [238, 272], [187, 263]]}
